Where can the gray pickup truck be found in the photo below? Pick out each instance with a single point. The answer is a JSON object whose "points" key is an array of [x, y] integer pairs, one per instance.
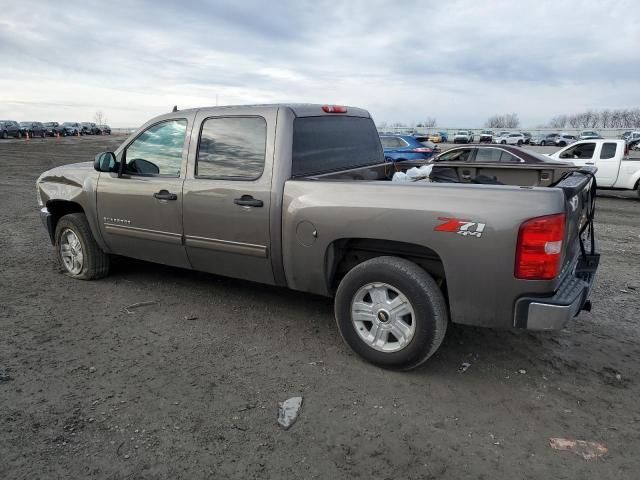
{"points": [[300, 196]]}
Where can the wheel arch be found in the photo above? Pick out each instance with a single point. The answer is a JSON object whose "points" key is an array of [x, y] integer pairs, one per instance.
{"points": [[58, 209], [345, 253]]}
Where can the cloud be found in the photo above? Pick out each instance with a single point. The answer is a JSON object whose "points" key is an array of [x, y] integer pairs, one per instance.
{"points": [[458, 61]]}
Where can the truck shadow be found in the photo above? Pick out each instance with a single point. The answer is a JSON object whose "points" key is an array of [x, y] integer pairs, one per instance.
{"points": [[299, 313]]}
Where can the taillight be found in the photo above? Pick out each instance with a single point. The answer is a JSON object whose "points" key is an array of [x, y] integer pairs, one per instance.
{"points": [[334, 109], [539, 248], [422, 150]]}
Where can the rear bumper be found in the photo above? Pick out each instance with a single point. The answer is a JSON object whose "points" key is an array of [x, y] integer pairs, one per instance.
{"points": [[571, 297]]}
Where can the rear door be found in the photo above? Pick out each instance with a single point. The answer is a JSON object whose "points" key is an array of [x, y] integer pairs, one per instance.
{"points": [[227, 194], [140, 213]]}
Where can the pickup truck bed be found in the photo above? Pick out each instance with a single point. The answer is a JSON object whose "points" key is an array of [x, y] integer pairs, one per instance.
{"points": [[300, 196]]}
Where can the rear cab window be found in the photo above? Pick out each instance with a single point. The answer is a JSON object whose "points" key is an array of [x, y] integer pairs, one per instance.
{"points": [[331, 143], [608, 151]]}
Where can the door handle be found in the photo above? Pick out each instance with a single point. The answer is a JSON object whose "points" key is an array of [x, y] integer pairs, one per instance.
{"points": [[248, 201], [590, 163], [165, 195]]}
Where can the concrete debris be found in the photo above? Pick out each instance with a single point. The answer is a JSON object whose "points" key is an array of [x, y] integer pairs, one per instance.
{"points": [[129, 308], [464, 367], [288, 412], [587, 450]]}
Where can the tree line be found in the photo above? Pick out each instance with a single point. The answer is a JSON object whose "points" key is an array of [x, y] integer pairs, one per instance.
{"points": [[619, 118]]}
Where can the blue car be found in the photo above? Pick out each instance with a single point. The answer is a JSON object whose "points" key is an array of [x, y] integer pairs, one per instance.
{"points": [[398, 148]]}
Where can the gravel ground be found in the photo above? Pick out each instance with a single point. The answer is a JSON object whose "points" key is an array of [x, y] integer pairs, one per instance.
{"points": [[188, 386]]}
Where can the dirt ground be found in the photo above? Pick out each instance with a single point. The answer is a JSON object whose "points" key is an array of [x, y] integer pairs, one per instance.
{"points": [[188, 387]]}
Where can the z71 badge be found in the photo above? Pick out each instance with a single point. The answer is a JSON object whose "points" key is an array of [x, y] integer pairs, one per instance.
{"points": [[461, 227]]}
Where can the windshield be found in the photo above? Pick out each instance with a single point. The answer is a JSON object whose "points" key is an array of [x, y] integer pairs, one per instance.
{"points": [[330, 143], [25, 124], [461, 132]]}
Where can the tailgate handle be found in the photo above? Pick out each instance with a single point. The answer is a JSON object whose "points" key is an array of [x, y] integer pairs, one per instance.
{"points": [[248, 201], [165, 195]]}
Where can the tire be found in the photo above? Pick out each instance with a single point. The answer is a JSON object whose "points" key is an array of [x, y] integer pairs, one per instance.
{"points": [[503, 142], [543, 143], [93, 262], [427, 319], [19, 135], [43, 134], [519, 143], [562, 144], [5, 135]]}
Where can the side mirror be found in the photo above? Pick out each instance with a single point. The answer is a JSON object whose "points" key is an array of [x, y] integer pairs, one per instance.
{"points": [[105, 162]]}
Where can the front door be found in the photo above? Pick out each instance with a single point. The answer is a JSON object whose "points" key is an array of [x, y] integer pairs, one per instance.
{"points": [[227, 196], [608, 164], [140, 213]]}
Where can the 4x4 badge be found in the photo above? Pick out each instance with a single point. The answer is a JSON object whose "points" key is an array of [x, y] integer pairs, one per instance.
{"points": [[461, 227]]}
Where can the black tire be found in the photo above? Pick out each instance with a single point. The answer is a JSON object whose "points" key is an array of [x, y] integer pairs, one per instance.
{"points": [[543, 143], [96, 262], [5, 135], [563, 144], [503, 142], [19, 135], [424, 295], [519, 143], [43, 134]]}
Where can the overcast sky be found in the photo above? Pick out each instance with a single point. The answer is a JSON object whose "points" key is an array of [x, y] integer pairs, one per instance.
{"points": [[457, 61]]}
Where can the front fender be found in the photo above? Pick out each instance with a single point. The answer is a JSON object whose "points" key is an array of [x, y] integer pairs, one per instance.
{"points": [[62, 189]]}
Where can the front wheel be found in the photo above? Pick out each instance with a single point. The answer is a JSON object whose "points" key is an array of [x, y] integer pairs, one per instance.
{"points": [[391, 312], [5, 135], [519, 143], [543, 143], [503, 142], [78, 253]]}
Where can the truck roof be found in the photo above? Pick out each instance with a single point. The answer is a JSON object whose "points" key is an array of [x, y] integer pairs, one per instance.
{"points": [[299, 109]]}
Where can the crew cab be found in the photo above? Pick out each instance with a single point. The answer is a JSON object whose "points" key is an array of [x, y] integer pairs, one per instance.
{"points": [[617, 170], [300, 196]]}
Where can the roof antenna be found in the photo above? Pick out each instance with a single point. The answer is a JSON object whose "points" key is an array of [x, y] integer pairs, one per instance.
{"points": [[175, 108]]}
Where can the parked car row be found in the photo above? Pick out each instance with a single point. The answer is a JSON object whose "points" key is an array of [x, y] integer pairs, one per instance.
{"points": [[11, 128]]}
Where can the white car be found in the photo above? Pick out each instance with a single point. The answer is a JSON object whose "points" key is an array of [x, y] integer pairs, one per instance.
{"points": [[463, 136], [616, 170], [510, 139], [564, 139]]}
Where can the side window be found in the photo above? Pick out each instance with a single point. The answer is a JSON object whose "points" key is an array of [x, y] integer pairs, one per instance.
{"points": [[583, 151], [608, 151], [506, 157], [490, 155], [388, 142], [158, 150], [232, 147], [458, 155]]}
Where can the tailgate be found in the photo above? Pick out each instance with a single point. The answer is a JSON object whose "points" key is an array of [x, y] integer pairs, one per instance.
{"points": [[579, 189]]}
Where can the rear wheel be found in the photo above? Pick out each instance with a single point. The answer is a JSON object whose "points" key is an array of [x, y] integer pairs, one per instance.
{"points": [[519, 143], [391, 312], [19, 134], [78, 253], [5, 135], [503, 142], [562, 144], [543, 143]]}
